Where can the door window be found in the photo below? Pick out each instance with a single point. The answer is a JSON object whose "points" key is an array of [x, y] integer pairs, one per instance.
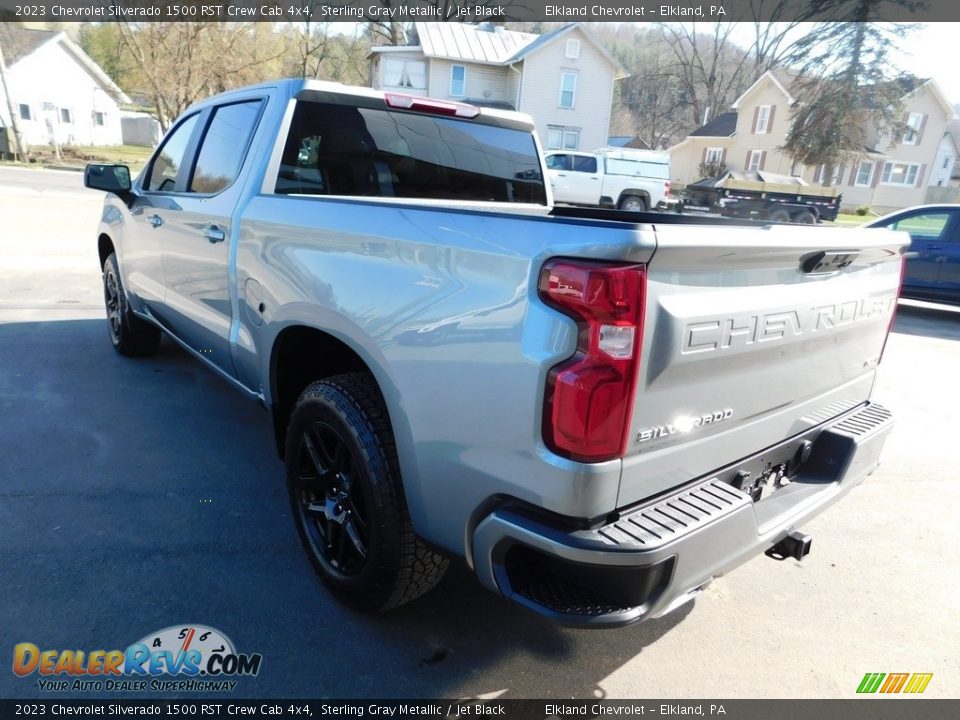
{"points": [[928, 226], [224, 144], [558, 162], [584, 164], [167, 162]]}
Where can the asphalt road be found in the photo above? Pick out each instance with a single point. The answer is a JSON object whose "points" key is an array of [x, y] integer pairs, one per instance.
{"points": [[137, 495]]}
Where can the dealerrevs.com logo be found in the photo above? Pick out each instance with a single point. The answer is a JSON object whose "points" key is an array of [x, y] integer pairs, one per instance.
{"points": [[909, 683], [180, 657]]}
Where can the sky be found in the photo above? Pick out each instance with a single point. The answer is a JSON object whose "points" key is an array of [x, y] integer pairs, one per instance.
{"points": [[931, 53]]}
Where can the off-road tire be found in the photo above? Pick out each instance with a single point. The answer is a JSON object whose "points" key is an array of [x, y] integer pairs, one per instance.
{"points": [[397, 567], [131, 336]]}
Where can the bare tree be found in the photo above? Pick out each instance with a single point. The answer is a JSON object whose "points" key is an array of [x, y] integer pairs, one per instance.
{"points": [[709, 65], [179, 63], [651, 102]]}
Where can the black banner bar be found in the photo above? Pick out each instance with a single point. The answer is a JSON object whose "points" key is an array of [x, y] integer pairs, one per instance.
{"points": [[476, 10], [215, 708]]}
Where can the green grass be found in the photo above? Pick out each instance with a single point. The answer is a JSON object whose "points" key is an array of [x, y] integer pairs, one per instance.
{"points": [[134, 156], [852, 219]]}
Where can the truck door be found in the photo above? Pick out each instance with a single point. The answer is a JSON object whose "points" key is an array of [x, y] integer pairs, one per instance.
{"points": [[929, 233], [197, 239], [574, 177], [153, 196], [948, 277], [584, 180], [559, 166]]}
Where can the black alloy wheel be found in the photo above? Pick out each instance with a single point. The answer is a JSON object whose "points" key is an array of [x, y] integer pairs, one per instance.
{"points": [[332, 506], [131, 336], [348, 500]]}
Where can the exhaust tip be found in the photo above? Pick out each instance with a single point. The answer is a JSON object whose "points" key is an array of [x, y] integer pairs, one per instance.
{"points": [[795, 545]]}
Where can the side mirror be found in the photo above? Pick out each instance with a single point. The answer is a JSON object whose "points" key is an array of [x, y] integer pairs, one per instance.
{"points": [[111, 178]]}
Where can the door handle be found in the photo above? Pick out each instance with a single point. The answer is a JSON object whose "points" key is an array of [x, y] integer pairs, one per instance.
{"points": [[155, 220], [214, 234]]}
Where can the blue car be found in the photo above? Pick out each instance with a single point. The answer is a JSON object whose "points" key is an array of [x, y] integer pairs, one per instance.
{"points": [[933, 264]]}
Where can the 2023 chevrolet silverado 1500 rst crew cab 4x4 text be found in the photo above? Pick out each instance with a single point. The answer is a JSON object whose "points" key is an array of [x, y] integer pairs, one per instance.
{"points": [[599, 411]]}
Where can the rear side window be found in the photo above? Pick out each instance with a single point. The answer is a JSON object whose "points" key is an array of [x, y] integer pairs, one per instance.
{"points": [[340, 150], [166, 164], [584, 164], [222, 151]]}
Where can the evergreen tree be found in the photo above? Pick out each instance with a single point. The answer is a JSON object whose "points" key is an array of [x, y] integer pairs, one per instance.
{"points": [[849, 92]]}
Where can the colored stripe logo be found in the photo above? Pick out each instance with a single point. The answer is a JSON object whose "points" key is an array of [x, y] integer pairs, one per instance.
{"points": [[913, 683]]}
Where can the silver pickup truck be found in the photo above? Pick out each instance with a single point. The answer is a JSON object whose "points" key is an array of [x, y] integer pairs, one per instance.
{"points": [[598, 411]]}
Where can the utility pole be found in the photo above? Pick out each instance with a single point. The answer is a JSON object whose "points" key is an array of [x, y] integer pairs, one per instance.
{"points": [[14, 122]]}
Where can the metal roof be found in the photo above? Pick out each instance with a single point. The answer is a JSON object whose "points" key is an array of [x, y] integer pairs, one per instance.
{"points": [[484, 43]]}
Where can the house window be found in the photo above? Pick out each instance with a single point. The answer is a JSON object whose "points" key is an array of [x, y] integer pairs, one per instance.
{"points": [[573, 49], [904, 174], [25, 112], [66, 117], [763, 120], [946, 162], [98, 119], [562, 138], [755, 161], [405, 73], [796, 169], [714, 156], [568, 89], [458, 81], [912, 135], [864, 174], [821, 176]]}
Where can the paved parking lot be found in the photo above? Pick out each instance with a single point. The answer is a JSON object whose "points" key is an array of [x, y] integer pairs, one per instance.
{"points": [[136, 495]]}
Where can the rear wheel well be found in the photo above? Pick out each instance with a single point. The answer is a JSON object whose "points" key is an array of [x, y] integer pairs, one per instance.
{"points": [[104, 248], [635, 192], [302, 355]]}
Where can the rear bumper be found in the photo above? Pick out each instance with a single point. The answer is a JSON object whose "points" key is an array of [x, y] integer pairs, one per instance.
{"points": [[650, 559]]}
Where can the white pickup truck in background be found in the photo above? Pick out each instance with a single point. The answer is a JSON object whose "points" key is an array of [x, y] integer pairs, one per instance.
{"points": [[634, 180]]}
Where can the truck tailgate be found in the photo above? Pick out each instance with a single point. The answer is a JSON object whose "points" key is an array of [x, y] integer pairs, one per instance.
{"points": [[751, 336]]}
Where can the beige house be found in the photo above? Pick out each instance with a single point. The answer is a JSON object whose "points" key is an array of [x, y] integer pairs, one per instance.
{"points": [[895, 172], [564, 79]]}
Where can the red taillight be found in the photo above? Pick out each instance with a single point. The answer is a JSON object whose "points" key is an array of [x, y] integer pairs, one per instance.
{"points": [[666, 189], [589, 397], [437, 107]]}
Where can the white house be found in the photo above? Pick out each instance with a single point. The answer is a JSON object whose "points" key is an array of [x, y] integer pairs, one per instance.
{"points": [[564, 79], [59, 93]]}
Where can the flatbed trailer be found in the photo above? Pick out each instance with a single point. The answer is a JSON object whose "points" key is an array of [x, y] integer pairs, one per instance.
{"points": [[761, 196]]}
